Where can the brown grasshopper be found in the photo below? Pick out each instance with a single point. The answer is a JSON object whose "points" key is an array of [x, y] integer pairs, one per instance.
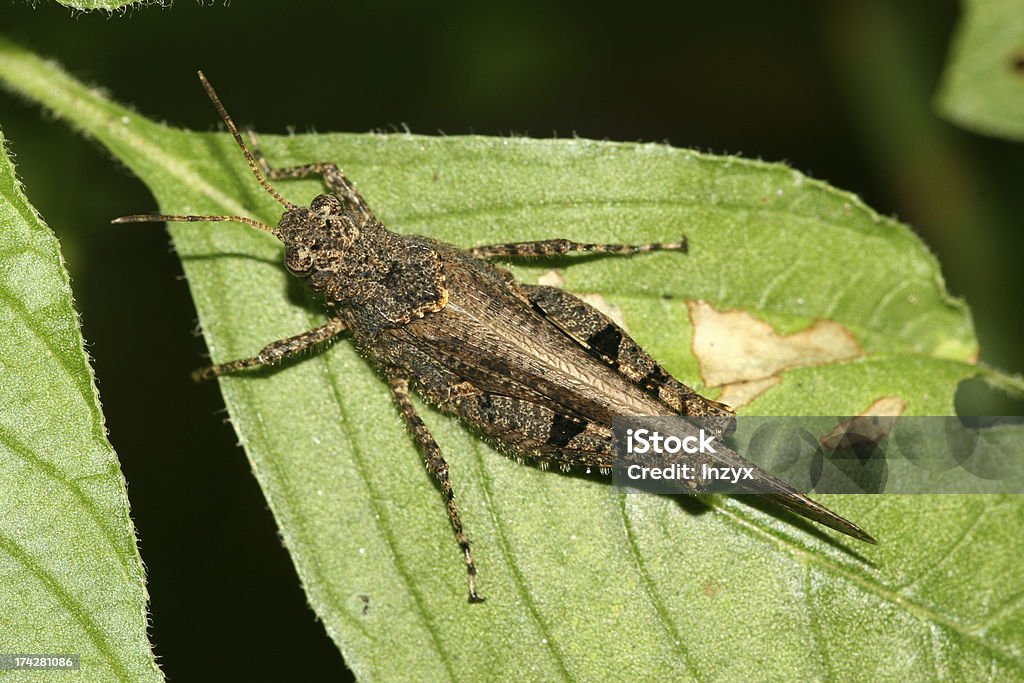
{"points": [[534, 369]]}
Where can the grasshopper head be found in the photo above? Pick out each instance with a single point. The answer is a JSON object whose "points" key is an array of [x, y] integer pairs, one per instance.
{"points": [[318, 236]]}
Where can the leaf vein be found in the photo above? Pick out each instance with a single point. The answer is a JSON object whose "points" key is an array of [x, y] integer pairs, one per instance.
{"points": [[868, 585], [30, 323], [650, 587], [28, 455], [521, 584], [380, 517], [79, 612]]}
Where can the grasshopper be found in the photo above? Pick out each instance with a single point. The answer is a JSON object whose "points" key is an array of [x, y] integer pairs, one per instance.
{"points": [[535, 370]]}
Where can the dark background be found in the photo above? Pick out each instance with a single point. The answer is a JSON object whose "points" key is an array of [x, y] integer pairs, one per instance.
{"points": [[841, 90]]}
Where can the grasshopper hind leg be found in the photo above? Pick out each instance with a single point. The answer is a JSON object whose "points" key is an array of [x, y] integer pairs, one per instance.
{"points": [[435, 463], [607, 341], [558, 247]]}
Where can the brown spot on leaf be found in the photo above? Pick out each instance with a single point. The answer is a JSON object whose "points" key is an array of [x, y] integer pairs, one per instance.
{"points": [[734, 346], [739, 394], [551, 278], [1017, 63], [887, 406], [872, 425]]}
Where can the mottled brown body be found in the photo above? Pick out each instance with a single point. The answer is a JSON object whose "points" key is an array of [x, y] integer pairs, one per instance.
{"points": [[536, 370]]}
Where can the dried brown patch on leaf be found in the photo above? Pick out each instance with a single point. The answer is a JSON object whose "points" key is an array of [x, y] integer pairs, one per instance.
{"points": [[872, 425], [746, 356], [887, 406], [551, 278], [734, 346], [739, 394]]}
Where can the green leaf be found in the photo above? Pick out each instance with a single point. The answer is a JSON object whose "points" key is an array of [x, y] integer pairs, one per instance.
{"points": [[101, 4], [73, 581], [983, 87], [581, 582]]}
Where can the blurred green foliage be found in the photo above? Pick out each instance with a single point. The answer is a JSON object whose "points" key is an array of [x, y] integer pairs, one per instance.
{"points": [[983, 88]]}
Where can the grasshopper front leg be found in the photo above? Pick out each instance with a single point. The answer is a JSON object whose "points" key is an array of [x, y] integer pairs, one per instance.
{"points": [[334, 178], [275, 351]]}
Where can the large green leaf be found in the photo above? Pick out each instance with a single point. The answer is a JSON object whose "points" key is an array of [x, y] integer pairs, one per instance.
{"points": [[101, 4], [72, 580], [983, 87], [582, 583]]}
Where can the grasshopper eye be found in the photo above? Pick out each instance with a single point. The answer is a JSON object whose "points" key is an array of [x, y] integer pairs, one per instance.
{"points": [[298, 260], [326, 204]]}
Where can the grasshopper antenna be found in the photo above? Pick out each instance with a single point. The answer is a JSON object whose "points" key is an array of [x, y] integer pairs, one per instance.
{"points": [[159, 218], [238, 138], [162, 218]]}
